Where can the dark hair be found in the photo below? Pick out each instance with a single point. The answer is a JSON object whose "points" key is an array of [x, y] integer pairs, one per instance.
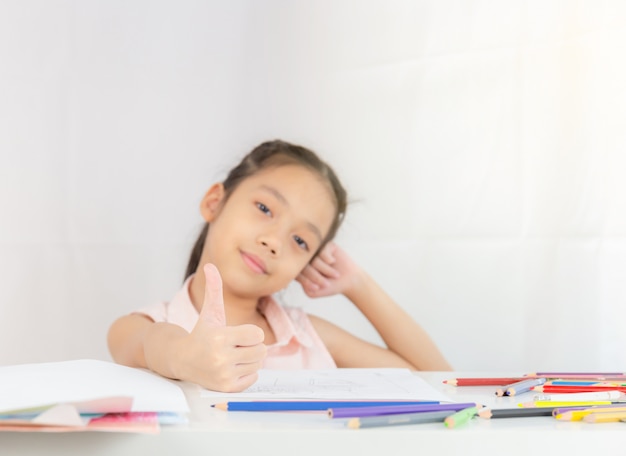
{"points": [[274, 154]]}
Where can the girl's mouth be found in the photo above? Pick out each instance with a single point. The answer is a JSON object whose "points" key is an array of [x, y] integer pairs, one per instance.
{"points": [[255, 263]]}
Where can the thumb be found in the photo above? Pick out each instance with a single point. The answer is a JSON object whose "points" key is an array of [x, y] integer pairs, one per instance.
{"points": [[212, 311]]}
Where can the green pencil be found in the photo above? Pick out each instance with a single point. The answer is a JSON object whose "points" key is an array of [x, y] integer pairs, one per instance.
{"points": [[460, 417]]}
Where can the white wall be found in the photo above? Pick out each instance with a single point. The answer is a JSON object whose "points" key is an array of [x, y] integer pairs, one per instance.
{"points": [[482, 142]]}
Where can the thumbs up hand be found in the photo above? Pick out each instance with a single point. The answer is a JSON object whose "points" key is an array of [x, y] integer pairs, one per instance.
{"points": [[216, 356]]}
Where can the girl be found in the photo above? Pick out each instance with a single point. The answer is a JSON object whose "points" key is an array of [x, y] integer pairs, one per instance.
{"points": [[271, 221]]}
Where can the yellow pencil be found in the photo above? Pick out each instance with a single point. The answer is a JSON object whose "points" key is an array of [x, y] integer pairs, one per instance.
{"points": [[578, 415], [604, 417]]}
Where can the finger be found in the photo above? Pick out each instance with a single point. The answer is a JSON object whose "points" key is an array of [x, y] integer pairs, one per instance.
{"points": [[244, 382], [240, 377], [308, 286], [245, 336], [314, 276], [324, 268], [212, 311], [327, 253], [249, 355], [304, 279]]}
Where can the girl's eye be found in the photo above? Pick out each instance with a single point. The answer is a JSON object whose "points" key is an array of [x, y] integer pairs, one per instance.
{"points": [[263, 208], [301, 243]]}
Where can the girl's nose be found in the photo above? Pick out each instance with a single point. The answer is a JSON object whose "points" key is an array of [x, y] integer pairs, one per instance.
{"points": [[271, 244]]}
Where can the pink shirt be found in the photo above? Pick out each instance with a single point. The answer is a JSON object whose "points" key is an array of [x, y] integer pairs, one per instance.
{"points": [[298, 346]]}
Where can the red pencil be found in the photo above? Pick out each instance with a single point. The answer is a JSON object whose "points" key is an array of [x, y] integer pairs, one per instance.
{"points": [[576, 388], [484, 381]]}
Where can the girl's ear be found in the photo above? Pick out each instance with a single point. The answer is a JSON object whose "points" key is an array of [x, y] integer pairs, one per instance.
{"points": [[210, 204]]}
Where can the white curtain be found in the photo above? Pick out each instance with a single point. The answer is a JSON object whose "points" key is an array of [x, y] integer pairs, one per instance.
{"points": [[483, 144]]}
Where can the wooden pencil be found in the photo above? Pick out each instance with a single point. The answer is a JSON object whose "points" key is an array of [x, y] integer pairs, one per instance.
{"points": [[482, 381], [460, 417], [397, 420], [577, 388], [612, 395], [584, 383], [578, 415], [287, 405], [601, 375], [604, 417], [552, 404], [489, 413], [523, 386]]}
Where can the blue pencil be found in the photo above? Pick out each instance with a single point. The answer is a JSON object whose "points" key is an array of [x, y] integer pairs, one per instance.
{"points": [[295, 406], [587, 383], [523, 386]]}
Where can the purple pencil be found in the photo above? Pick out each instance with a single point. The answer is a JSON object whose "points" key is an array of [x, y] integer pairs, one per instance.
{"points": [[357, 412]]}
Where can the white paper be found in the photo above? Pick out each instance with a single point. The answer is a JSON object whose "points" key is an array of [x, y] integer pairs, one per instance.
{"points": [[336, 384], [60, 415], [25, 386]]}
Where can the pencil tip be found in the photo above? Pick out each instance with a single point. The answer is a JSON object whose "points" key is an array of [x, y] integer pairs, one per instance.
{"points": [[353, 423]]}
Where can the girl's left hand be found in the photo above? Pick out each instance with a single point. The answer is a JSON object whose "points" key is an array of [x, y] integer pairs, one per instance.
{"points": [[331, 272]]}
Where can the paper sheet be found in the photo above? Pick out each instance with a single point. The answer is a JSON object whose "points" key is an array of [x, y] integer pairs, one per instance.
{"points": [[25, 386], [336, 384]]}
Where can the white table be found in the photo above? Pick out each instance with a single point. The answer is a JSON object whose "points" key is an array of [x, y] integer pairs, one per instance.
{"points": [[215, 432]]}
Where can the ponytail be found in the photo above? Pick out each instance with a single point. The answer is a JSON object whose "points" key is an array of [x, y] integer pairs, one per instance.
{"points": [[196, 252]]}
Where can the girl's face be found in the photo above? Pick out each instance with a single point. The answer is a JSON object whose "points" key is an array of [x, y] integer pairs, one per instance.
{"points": [[267, 231]]}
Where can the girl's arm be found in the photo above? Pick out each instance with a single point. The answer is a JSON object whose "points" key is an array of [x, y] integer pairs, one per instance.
{"points": [[333, 271], [213, 355]]}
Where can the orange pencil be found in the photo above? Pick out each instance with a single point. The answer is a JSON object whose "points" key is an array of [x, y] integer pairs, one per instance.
{"points": [[484, 381]]}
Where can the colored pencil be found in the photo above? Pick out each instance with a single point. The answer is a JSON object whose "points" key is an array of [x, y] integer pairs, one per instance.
{"points": [[562, 403], [482, 381], [502, 391], [489, 413], [291, 406], [580, 375], [572, 397], [358, 412], [523, 386], [604, 417], [401, 419], [576, 389], [582, 383], [560, 410], [580, 413], [460, 417]]}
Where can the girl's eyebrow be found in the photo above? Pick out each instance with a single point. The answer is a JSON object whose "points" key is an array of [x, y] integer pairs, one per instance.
{"points": [[279, 196]]}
